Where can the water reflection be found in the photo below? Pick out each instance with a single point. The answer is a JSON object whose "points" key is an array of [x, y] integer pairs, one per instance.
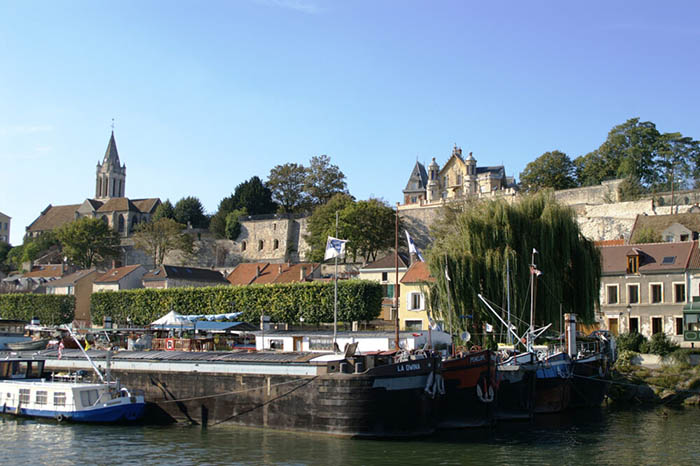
{"points": [[639, 436]]}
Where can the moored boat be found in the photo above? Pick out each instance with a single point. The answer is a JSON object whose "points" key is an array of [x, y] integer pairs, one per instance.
{"points": [[29, 345]]}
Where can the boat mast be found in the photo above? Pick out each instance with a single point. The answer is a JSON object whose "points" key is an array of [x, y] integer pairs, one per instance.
{"points": [[396, 280], [449, 304], [531, 332], [335, 291], [510, 338], [94, 367]]}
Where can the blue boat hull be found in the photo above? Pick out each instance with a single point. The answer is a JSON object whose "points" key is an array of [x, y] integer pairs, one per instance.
{"points": [[123, 413]]}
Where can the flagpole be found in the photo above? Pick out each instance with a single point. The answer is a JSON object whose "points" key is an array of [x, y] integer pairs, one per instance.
{"points": [[396, 280], [335, 291], [449, 306], [510, 337]]}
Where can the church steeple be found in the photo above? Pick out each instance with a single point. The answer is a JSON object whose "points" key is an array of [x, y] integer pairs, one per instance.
{"points": [[111, 174]]}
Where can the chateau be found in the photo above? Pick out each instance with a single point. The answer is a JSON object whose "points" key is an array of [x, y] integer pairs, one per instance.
{"points": [[458, 178], [109, 203]]}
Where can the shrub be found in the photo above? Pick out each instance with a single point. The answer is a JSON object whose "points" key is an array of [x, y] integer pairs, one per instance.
{"points": [[357, 300], [49, 309], [630, 341], [625, 357], [661, 345]]}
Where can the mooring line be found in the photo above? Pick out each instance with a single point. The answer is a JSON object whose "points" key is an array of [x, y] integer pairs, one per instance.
{"points": [[215, 395], [629, 384]]}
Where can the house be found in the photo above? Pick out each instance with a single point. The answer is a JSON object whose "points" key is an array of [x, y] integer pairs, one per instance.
{"points": [[266, 273], [413, 310], [5, 221], [170, 276], [672, 228], [383, 271], [644, 287], [78, 284], [120, 278]]}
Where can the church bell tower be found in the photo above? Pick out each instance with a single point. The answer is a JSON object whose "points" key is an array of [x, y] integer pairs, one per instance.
{"points": [[111, 175]]}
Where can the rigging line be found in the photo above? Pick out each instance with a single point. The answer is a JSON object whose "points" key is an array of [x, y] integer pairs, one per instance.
{"points": [[513, 316], [646, 384], [215, 395]]}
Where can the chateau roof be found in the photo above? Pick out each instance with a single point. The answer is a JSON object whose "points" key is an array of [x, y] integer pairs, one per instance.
{"points": [[499, 169], [654, 257], [116, 274], [418, 273], [53, 217], [184, 273], [418, 174]]}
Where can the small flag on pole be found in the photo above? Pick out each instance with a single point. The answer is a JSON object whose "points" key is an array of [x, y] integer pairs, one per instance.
{"points": [[60, 349], [535, 271], [489, 328], [334, 248], [412, 249]]}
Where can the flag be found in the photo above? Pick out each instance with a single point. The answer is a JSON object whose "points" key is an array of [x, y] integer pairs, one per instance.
{"points": [[535, 271], [334, 248], [87, 345], [434, 325], [412, 247], [489, 328], [534, 251], [60, 349]]}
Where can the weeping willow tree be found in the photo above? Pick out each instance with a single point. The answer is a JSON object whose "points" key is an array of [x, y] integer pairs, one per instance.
{"points": [[474, 241]]}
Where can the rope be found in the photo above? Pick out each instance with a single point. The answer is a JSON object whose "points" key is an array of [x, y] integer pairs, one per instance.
{"points": [[637, 385], [235, 391]]}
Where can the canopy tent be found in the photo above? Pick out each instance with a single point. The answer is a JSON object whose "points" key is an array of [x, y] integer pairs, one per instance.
{"points": [[174, 321]]}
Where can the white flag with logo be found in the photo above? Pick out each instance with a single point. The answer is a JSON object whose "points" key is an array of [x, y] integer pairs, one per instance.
{"points": [[334, 248], [412, 249]]}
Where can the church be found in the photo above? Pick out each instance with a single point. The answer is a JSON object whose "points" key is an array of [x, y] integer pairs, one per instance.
{"points": [[109, 204], [459, 178]]}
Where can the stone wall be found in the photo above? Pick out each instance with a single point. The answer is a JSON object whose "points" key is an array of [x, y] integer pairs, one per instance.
{"points": [[600, 194]]}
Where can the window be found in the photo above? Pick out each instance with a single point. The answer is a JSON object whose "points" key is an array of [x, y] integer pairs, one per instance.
{"points": [[655, 293], [277, 344], [121, 223], [59, 399], [613, 326], [274, 226], [612, 294], [633, 294], [669, 260], [275, 244], [459, 179], [40, 397], [679, 292], [415, 301], [321, 343], [244, 245], [261, 244], [685, 237], [24, 395], [634, 324], [388, 291], [88, 397], [385, 276], [632, 264], [414, 325], [679, 325], [657, 325]]}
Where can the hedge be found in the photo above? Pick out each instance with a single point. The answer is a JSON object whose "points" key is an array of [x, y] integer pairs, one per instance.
{"points": [[50, 309], [357, 300]]}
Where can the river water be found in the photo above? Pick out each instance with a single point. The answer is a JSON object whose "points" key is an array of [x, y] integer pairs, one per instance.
{"points": [[659, 435]]}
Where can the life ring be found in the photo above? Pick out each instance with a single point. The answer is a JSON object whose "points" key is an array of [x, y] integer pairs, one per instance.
{"points": [[474, 349], [60, 418]]}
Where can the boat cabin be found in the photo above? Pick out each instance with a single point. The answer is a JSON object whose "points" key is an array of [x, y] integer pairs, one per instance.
{"points": [[13, 369], [11, 331], [691, 320], [54, 396]]}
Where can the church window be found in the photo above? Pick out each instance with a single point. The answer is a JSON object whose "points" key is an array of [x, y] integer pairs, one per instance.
{"points": [[261, 244], [121, 223], [276, 244], [244, 245], [104, 219], [459, 179]]}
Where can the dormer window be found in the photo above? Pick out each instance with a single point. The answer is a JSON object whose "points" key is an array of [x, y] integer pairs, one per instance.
{"points": [[632, 264]]}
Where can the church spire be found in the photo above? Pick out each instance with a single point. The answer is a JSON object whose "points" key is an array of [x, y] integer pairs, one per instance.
{"points": [[111, 154], [111, 174]]}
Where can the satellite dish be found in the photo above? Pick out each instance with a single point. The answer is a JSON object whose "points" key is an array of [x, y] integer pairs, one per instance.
{"points": [[466, 336]]}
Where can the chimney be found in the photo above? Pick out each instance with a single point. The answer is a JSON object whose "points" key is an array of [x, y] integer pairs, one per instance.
{"points": [[302, 273], [257, 271], [279, 269]]}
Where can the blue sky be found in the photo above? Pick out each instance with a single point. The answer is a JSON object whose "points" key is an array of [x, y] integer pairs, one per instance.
{"points": [[207, 94]]}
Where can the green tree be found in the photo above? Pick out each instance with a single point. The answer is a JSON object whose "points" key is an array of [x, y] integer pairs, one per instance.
{"points": [[217, 224], [645, 236], [88, 241], [478, 238], [323, 180], [31, 249], [287, 185], [4, 251], [367, 225], [189, 210], [233, 225], [253, 196], [160, 237], [553, 170], [164, 210]]}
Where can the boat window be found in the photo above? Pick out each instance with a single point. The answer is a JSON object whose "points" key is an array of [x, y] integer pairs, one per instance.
{"points": [[321, 343], [19, 371], [4, 370], [24, 395], [34, 372], [88, 397], [277, 344], [40, 397], [59, 399]]}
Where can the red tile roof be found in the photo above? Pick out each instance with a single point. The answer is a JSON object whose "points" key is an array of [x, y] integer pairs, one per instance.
{"points": [[45, 271], [694, 262], [293, 273], [418, 273], [246, 273], [265, 273], [388, 262], [116, 274], [610, 242]]}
